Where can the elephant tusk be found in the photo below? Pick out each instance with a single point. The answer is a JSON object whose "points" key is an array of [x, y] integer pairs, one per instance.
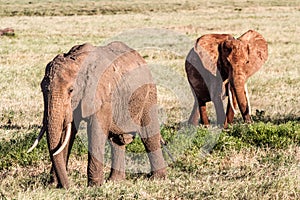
{"points": [[225, 82], [230, 99], [224, 89], [37, 140], [248, 100], [68, 134]]}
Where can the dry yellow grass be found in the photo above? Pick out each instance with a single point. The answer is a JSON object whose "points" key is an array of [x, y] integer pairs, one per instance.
{"points": [[38, 39]]}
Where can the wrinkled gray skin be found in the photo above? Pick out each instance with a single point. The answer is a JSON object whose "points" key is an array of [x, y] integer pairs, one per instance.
{"points": [[111, 88]]}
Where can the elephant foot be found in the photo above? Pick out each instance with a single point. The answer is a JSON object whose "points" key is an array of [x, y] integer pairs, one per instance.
{"points": [[226, 124], [158, 174], [117, 175], [95, 183], [194, 122], [247, 119], [95, 170], [53, 181], [204, 125]]}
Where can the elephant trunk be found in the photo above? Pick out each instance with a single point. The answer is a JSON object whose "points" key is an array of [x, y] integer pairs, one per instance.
{"points": [[240, 93], [54, 138]]}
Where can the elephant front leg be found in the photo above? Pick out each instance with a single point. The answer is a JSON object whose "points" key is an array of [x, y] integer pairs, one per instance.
{"points": [[229, 116], [95, 170], [96, 148], [219, 111], [118, 161]]}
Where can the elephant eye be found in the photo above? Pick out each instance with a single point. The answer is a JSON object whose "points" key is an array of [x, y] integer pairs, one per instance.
{"points": [[46, 89], [71, 90]]}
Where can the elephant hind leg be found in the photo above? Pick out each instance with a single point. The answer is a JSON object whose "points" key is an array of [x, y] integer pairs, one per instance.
{"points": [[154, 152], [151, 137], [203, 114], [144, 112], [118, 160]]}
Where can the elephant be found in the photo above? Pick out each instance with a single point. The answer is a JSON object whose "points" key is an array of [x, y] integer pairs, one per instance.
{"points": [[219, 66], [111, 88]]}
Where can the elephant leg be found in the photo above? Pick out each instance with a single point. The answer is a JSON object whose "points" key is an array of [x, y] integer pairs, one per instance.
{"points": [[229, 116], [118, 161], [150, 135], [219, 111], [53, 177], [203, 113], [194, 117], [97, 136], [248, 99], [153, 149], [144, 112]]}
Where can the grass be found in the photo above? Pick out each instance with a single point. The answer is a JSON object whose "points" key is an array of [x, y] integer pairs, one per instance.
{"points": [[257, 161], [238, 167]]}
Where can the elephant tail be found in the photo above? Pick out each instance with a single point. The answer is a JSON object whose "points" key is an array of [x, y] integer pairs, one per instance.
{"points": [[165, 148]]}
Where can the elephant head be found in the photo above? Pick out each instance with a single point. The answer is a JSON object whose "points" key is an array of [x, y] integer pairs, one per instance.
{"points": [[241, 58], [58, 90]]}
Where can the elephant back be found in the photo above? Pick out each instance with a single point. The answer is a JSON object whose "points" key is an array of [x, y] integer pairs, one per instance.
{"points": [[114, 68]]}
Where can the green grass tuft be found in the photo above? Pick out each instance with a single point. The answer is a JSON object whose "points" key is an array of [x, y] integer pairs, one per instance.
{"points": [[14, 151], [261, 135]]}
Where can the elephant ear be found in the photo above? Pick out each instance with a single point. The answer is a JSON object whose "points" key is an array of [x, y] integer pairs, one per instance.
{"points": [[89, 76], [257, 49], [77, 57], [207, 49]]}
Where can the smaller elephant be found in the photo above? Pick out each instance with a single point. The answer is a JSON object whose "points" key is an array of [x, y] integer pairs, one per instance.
{"points": [[111, 88], [218, 66]]}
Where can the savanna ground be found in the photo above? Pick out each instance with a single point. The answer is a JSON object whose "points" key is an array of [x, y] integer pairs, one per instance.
{"points": [[257, 161]]}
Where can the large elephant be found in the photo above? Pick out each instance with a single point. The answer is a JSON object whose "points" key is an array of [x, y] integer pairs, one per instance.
{"points": [[220, 65], [111, 88]]}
